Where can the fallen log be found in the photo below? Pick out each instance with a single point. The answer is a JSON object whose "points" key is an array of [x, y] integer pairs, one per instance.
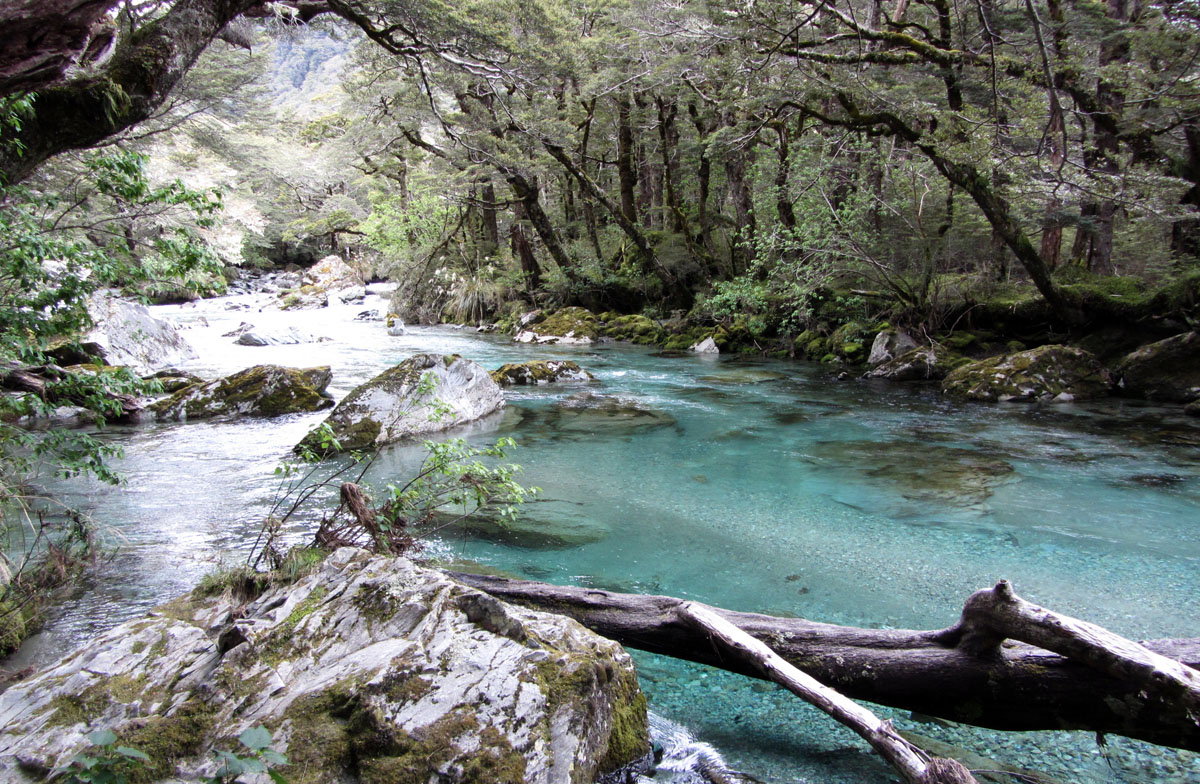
{"points": [[913, 765], [968, 673]]}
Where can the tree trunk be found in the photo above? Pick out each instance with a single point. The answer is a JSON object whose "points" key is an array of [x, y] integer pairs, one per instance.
{"points": [[908, 760], [674, 292], [703, 186], [136, 80], [668, 138], [523, 250], [961, 673], [626, 175], [526, 192], [490, 224]]}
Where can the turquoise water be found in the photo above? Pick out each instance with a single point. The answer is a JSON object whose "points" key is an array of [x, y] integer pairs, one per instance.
{"points": [[755, 485]]}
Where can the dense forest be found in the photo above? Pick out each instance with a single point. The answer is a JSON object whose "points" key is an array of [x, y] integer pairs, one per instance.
{"points": [[772, 168], [1000, 196]]}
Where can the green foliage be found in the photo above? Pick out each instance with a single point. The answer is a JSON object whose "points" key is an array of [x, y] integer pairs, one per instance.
{"points": [[56, 248], [256, 757], [108, 763], [452, 477]]}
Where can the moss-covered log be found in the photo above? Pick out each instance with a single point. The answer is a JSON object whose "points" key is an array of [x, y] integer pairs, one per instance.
{"points": [[1013, 686]]}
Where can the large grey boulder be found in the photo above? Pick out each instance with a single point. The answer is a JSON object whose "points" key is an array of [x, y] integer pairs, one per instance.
{"points": [[262, 391], [370, 670], [1051, 373], [423, 394], [128, 335], [1168, 370], [889, 344]]}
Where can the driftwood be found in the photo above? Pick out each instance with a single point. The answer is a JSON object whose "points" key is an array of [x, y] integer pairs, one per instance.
{"points": [[973, 673], [45, 382], [912, 764]]}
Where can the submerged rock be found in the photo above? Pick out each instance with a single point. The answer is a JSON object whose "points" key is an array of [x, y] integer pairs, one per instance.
{"points": [[423, 394], [1168, 370], [263, 390], [927, 473], [889, 344], [126, 334], [1056, 373], [370, 670], [569, 326], [530, 529], [544, 371], [607, 415]]}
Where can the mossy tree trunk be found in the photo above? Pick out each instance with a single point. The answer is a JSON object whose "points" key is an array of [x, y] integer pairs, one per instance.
{"points": [[129, 88]]}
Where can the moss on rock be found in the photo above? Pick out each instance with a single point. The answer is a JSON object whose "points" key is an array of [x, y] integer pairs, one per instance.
{"points": [[544, 371], [262, 390], [1055, 372], [634, 328]]}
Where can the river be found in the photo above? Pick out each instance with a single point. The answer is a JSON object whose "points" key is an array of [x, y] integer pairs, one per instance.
{"points": [[756, 485]]}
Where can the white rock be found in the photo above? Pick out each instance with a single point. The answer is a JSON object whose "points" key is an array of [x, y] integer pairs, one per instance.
{"points": [[291, 336], [706, 346], [889, 344], [423, 394], [128, 335], [407, 652]]}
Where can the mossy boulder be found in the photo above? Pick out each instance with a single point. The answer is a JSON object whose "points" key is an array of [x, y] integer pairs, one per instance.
{"points": [[567, 326], [1055, 372], [635, 328], [262, 391], [850, 341], [424, 394], [926, 363], [172, 380], [370, 669], [1168, 370], [546, 371]]}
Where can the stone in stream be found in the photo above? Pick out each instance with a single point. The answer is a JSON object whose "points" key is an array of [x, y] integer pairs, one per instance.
{"points": [[126, 334], [544, 371], [569, 326], [1053, 373], [263, 391], [371, 669], [925, 473], [1168, 370], [423, 394], [172, 379], [283, 336]]}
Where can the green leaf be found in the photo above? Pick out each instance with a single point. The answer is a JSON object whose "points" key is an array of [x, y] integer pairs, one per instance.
{"points": [[125, 751], [102, 737], [256, 738]]}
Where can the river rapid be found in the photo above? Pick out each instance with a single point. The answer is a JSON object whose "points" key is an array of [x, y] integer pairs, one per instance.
{"points": [[755, 485]]}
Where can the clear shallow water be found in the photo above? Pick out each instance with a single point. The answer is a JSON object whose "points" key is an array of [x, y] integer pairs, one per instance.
{"points": [[755, 485]]}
